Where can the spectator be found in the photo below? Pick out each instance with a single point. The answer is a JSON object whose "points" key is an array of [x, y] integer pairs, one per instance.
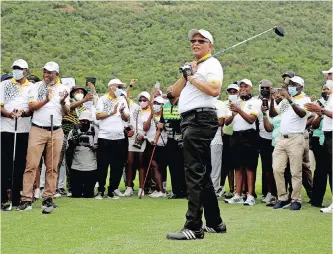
{"points": [[47, 98], [6, 76], [82, 143], [33, 79], [290, 145], [244, 141], [14, 94], [111, 110]]}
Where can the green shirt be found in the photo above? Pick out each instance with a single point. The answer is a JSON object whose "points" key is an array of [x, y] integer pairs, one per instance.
{"points": [[319, 133], [275, 121]]}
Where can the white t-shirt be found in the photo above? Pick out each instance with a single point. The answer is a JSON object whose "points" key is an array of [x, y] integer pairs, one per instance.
{"points": [[251, 107], [111, 127], [41, 116], [262, 132], [221, 113], [132, 108], [152, 132], [15, 96], [290, 121], [327, 121], [191, 97]]}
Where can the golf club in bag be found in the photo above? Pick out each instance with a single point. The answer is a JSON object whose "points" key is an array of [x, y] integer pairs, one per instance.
{"points": [[277, 29], [49, 209], [144, 182]]}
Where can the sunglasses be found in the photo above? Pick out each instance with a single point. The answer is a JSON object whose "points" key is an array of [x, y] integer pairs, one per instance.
{"points": [[142, 100], [200, 41]]}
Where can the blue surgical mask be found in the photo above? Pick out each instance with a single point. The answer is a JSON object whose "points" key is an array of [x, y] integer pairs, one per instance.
{"points": [[118, 92], [292, 90], [18, 74], [232, 97], [156, 108]]}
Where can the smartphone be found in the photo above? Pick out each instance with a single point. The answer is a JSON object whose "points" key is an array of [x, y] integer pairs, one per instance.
{"points": [[320, 104], [90, 79], [265, 102], [157, 85]]}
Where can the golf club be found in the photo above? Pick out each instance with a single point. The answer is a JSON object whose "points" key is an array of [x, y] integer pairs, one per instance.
{"points": [[144, 182], [49, 209], [277, 29]]}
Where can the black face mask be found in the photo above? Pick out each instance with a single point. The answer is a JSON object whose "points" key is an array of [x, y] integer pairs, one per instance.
{"points": [[324, 95], [84, 127], [170, 96], [246, 97], [265, 93]]}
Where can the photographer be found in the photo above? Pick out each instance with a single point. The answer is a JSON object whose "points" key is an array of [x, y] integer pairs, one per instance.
{"points": [[327, 127], [112, 111], [81, 150], [265, 143], [200, 83], [243, 115], [290, 145]]}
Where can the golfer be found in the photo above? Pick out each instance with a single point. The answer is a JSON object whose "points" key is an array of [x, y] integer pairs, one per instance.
{"points": [[200, 83], [48, 97]]}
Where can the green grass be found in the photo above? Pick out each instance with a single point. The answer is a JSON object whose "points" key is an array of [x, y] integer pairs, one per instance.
{"points": [[130, 225]]}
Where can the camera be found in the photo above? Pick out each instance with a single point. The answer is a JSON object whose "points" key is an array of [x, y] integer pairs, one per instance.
{"points": [[186, 69], [139, 139], [129, 131], [265, 93]]}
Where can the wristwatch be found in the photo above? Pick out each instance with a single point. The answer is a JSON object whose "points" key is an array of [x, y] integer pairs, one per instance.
{"points": [[322, 111]]}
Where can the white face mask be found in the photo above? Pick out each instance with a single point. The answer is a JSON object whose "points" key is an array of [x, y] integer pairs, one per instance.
{"points": [[329, 84], [18, 74], [79, 96], [232, 97], [157, 108]]}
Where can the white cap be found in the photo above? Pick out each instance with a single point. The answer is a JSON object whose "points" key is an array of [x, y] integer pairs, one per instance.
{"points": [[245, 81], [233, 86], [204, 33], [329, 71], [159, 99], [297, 80], [86, 115], [115, 81], [51, 66], [20, 63], [144, 94]]}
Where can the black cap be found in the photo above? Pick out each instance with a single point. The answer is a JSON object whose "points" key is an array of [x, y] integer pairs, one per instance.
{"points": [[6, 76], [34, 78], [290, 74], [76, 88]]}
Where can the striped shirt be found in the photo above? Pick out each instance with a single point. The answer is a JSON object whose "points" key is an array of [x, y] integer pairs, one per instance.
{"points": [[72, 118]]}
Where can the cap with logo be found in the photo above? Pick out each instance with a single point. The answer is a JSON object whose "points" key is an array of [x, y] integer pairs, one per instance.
{"points": [[298, 80], [204, 33], [245, 81]]}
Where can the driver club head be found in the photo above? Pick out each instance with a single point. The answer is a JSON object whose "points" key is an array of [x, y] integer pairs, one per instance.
{"points": [[279, 31]]}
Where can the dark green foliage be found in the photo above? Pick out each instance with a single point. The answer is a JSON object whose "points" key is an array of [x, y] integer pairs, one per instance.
{"points": [[148, 40]]}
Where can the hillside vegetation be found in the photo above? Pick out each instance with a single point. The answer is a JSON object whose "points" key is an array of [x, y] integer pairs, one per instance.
{"points": [[148, 40]]}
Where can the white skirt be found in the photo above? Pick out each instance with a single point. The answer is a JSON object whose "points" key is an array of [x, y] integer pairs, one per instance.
{"points": [[131, 148]]}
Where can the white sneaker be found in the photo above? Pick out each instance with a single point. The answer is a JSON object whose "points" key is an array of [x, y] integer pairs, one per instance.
{"points": [[235, 200], [157, 194], [113, 196], [327, 209], [118, 193], [69, 194], [37, 193], [250, 201], [139, 192], [128, 192], [99, 196], [57, 195], [220, 192], [267, 198], [96, 185]]}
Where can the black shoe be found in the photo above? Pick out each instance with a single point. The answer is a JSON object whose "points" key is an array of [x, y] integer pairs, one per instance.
{"points": [[186, 234], [174, 196], [219, 229], [48, 205], [24, 206], [7, 206], [295, 206], [62, 191], [281, 204], [318, 205]]}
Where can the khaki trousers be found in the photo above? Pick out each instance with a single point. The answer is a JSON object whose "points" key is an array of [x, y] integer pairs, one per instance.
{"points": [[291, 148], [38, 139]]}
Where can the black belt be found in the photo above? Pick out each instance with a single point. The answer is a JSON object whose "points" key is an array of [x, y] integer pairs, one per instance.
{"points": [[197, 110], [328, 134], [46, 128], [291, 135]]}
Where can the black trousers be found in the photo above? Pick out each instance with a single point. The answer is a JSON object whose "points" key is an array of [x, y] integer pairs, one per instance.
{"points": [[226, 165], [198, 129], [83, 183], [266, 154], [110, 153], [175, 160], [7, 176]]}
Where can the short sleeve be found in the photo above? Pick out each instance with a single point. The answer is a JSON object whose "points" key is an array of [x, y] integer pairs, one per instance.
{"points": [[33, 93], [126, 109], [256, 108], [99, 106], [2, 94], [221, 110], [215, 72]]}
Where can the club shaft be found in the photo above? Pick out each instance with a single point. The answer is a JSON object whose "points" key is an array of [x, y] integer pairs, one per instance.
{"points": [[144, 182]]}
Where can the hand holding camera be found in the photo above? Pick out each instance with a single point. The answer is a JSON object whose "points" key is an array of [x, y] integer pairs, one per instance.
{"points": [[88, 97], [188, 69]]}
